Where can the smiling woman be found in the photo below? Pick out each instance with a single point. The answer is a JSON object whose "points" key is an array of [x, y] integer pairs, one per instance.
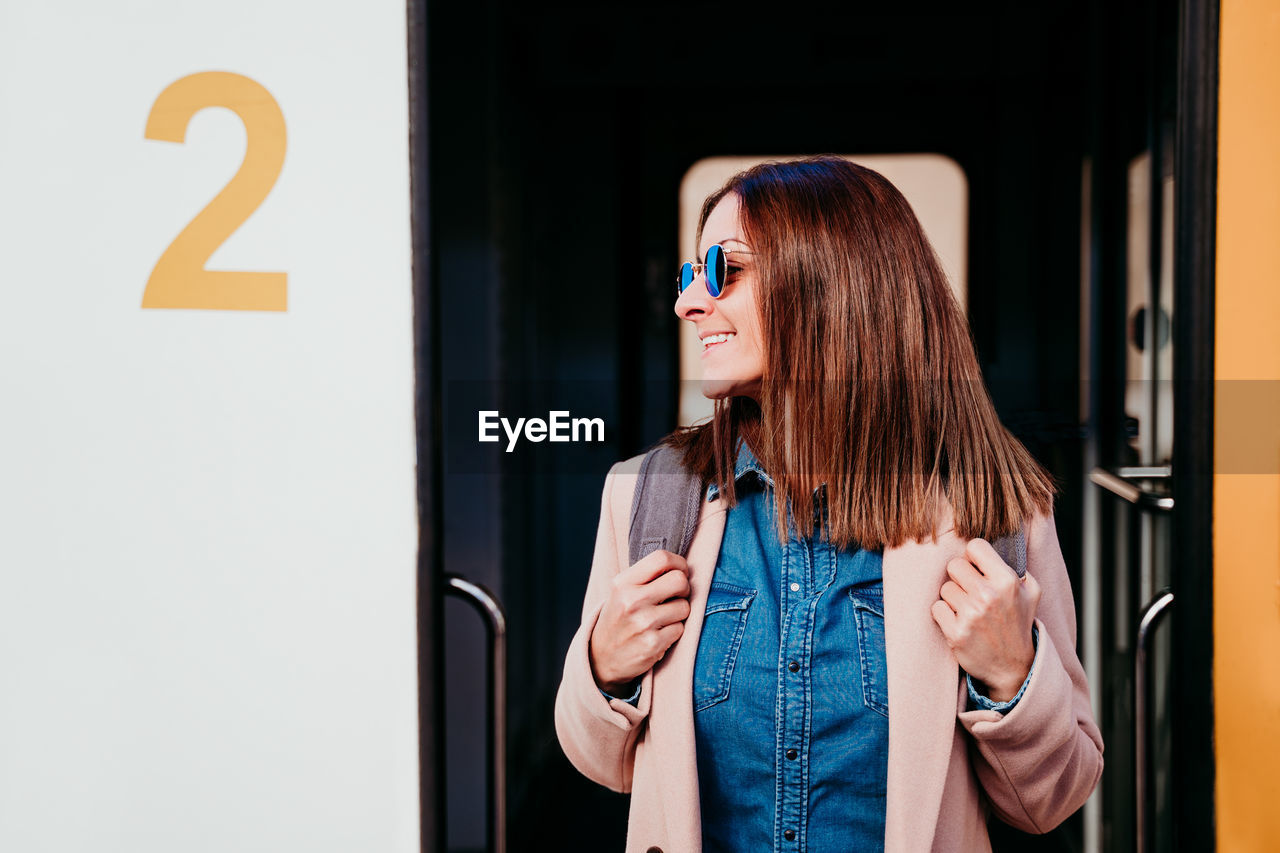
{"points": [[728, 323], [936, 186], [854, 471]]}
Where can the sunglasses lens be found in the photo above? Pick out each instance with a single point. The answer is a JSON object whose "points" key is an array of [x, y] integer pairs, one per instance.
{"points": [[686, 276], [716, 269]]}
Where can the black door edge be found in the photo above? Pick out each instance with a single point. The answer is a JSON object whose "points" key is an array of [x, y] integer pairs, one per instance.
{"points": [[1195, 173], [427, 418]]}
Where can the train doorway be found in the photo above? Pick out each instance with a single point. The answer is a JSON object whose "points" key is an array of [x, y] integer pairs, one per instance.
{"points": [[557, 139]]}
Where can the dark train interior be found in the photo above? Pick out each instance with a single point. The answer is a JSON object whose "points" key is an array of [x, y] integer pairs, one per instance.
{"points": [[558, 135]]}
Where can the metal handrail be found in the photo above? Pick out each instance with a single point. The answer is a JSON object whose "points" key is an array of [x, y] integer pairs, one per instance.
{"points": [[1151, 615], [495, 619], [1119, 483]]}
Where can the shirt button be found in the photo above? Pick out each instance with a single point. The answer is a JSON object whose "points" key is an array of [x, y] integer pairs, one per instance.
{"points": [[795, 587], [790, 835], [791, 754], [793, 666]]}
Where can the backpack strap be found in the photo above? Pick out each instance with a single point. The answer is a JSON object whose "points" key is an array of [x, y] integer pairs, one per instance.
{"points": [[664, 511], [1013, 550]]}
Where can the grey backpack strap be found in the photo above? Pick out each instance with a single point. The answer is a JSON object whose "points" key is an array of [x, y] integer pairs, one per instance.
{"points": [[664, 512], [1013, 550]]}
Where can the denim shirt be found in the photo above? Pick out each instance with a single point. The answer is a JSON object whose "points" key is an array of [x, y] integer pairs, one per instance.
{"points": [[790, 687]]}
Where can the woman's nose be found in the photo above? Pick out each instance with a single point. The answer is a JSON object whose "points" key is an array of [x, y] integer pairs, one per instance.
{"points": [[694, 300]]}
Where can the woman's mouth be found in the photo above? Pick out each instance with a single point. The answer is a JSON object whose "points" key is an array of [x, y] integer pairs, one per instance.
{"points": [[712, 341]]}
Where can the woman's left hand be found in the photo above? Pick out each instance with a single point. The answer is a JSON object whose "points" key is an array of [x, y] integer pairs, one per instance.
{"points": [[986, 612]]}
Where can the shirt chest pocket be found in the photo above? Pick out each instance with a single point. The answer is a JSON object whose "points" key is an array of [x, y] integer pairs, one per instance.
{"points": [[718, 644], [868, 612]]}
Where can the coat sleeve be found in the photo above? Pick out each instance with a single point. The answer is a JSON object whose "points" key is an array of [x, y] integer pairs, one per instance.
{"points": [[1039, 762], [597, 734]]}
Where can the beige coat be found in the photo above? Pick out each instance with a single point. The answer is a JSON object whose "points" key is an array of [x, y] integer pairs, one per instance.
{"points": [[1034, 766]]}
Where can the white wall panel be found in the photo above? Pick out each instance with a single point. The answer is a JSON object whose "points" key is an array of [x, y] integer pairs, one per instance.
{"points": [[207, 525]]}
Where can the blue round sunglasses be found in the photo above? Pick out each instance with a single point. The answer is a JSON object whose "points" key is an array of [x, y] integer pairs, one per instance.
{"points": [[716, 268]]}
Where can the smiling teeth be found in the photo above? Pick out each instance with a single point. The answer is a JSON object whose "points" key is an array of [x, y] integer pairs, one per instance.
{"points": [[717, 339]]}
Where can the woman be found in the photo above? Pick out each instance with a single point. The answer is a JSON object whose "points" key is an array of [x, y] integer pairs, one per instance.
{"points": [[796, 681]]}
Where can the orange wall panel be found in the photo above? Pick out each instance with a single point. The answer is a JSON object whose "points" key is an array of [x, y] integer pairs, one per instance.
{"points": [[1246, 523]]}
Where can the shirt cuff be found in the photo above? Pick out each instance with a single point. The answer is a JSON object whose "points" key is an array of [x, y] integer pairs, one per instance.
{"points": [[978, 701], [635, 697]]}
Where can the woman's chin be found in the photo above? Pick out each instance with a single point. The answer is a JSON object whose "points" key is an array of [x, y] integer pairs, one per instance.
{"points": [[719, 388]]}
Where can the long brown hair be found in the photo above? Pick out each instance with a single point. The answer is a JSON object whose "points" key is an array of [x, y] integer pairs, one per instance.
{"points": [[871, 383]]}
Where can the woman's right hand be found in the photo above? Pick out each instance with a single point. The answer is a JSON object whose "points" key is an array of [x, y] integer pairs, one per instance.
{"points": [[643, 615]]}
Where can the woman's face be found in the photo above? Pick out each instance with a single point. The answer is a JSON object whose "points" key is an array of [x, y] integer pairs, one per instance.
{"points": [[729, 327]]}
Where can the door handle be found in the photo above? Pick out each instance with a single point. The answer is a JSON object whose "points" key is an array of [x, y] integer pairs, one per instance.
{"points": [[1120, 483], [496, 622], [1151, 616]]}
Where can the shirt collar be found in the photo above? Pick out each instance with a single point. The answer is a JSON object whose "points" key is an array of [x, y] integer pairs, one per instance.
{"points": [[745, 464]]}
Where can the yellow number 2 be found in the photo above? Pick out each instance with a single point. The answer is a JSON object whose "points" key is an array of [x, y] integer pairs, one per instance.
{"points": [[180, 279]]}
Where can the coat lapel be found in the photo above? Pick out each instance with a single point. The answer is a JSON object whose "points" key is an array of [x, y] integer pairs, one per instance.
{"points": [[923, 677], [672, 722]]}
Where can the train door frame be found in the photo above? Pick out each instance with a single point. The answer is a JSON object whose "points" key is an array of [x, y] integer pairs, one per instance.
{"points": [[1127, 120], [427, 405], [1196, 158], [1196, 164]]}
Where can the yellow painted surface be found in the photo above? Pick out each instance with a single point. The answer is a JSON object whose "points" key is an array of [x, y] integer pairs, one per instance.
{"points": [[1247, 505]]}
